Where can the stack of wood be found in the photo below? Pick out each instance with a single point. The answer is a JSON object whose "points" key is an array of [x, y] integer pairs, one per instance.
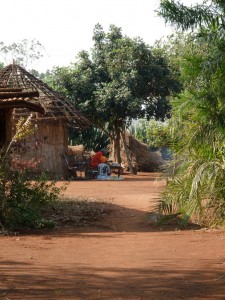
{"points": [[76, 150]]}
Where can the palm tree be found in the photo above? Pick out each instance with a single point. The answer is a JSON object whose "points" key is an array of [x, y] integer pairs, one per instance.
{"points": [[197, 185]]}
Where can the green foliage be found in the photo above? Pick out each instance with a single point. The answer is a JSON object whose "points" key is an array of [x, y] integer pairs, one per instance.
{"points": [[183, 17], [196, 183], [120, 79], [154, 133], [92, 138], [23, 201]]}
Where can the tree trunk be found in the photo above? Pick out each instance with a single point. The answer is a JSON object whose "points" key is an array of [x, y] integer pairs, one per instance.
{"points": [[131, 168], [117, 146]]}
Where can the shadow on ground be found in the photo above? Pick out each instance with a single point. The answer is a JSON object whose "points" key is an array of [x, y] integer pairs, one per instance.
{"points": [[84, 216], [24, 281]]}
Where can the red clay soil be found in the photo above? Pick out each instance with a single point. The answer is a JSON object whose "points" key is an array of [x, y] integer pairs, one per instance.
{"points": [[124, 257]]}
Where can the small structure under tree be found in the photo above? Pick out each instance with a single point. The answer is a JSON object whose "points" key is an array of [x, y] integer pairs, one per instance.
{"points": [[22, 93]]}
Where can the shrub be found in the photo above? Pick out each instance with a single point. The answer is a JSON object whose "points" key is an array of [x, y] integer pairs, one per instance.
{"points": [[23, 201]]}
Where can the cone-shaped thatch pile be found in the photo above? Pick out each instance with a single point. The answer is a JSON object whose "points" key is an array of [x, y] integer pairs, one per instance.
{"points": [[21, 90], [142, 158]]}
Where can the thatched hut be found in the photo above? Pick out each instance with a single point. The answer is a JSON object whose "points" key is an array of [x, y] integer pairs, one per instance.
{"points": [[21, 93]]}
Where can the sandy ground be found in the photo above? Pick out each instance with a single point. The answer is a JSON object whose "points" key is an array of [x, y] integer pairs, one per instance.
{"points": [[123, 257]]}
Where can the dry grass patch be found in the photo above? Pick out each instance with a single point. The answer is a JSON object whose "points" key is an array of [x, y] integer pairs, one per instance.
{"points": [[77, 212]]}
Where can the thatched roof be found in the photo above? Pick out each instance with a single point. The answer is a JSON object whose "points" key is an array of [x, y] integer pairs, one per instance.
{"points": [[22, 91]]}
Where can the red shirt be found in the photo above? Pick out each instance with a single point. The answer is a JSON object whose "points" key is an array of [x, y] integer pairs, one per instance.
{"points": [[96, 159]]}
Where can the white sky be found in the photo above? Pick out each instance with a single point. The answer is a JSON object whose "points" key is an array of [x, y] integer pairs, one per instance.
{"points": [[65, 27]]}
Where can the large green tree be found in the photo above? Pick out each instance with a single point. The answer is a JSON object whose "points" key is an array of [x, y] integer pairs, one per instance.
{"points": [[119, 80], [197, 183]]}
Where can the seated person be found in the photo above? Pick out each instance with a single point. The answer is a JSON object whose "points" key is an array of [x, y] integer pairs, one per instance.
{"points": [[96, 159], [103, 169]]}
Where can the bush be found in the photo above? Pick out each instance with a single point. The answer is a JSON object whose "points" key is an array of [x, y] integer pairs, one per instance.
{"points": [[23, 201], [154, 133]]}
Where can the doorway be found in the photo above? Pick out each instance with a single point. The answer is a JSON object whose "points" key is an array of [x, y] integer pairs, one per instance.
{"points": [[2, 128]]}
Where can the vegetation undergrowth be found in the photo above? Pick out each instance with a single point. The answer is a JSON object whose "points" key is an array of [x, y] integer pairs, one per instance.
{"points": [[76, 211], [23, 200], [31, 201], [196, 176]]}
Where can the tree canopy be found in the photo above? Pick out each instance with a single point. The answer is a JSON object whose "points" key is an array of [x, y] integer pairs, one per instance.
{"points": [[119, 80], [23, 52]]}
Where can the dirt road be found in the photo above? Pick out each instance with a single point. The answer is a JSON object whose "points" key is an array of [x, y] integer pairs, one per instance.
{"points": [[123, 257]]}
